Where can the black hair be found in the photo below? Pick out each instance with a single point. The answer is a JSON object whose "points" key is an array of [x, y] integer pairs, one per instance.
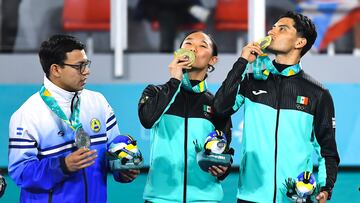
{"points": [[214, 46], [53, 50], [304, 27]]}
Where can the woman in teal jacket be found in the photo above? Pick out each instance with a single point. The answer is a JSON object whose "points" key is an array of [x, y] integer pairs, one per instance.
{"points": [[178, 113]]}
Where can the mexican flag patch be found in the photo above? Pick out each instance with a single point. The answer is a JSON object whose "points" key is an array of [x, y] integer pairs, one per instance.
{"points": [[208, 109], [302, 100]]}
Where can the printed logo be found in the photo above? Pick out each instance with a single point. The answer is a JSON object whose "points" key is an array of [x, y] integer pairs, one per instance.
{"points": [[144, 99], [95, 125], [300, 107], [61, 133], [259, 92], [333, 122]]}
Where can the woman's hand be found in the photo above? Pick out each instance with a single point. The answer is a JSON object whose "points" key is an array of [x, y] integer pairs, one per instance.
{"points": [[177, 65]]}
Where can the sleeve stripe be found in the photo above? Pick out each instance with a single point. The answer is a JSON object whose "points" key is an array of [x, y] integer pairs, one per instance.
{"points": [[20, 140], [21, 146], [111, 126], [111, 118]]}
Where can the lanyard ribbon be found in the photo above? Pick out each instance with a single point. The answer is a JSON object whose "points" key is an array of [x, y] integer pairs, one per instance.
{"points": [[186, 84], [263, 66], [74, 122]]}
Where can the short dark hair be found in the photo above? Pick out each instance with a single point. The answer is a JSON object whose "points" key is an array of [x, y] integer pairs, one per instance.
{"points": [[53, 50], [214, 46], [304, 27]]}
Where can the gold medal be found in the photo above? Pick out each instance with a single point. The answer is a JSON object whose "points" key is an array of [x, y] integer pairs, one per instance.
{"points": [[82, 139], [264, 42], [184, 52]]}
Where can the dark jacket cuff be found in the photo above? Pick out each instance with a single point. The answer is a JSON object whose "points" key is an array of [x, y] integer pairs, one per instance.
{"points": [[63, 166], [328, 190]]}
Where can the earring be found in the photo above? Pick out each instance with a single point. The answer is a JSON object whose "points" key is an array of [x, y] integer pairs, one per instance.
{"points": [[211, 68]]}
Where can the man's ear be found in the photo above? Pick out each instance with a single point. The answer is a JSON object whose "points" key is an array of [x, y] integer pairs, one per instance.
{"points": [[300, 43], [213, 60], [55, 70]]}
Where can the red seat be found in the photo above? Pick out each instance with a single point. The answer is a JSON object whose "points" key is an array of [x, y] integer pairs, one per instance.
{"points": [[191, 26], [231, 15], [86, 15]]}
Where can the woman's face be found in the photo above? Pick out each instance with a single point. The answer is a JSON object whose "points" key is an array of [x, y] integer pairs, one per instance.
{"points": [[201, 45]]}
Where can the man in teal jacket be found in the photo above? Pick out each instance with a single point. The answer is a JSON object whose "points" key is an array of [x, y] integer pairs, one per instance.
{"points": [[288, 115]]}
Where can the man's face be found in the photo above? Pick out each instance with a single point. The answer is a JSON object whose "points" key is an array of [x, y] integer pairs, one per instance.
{"points": [[284, 36], [70, 78]]}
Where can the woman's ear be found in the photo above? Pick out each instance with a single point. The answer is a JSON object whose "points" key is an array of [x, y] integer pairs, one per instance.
{"points": [[213, 60]]}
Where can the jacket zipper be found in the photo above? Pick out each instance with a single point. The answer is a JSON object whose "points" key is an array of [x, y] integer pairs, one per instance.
{"points": [[86, 186], [50, 196], [185, 146], [278, 80]]}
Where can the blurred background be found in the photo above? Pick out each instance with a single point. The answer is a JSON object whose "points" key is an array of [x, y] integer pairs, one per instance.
{"points": [[131, 42]]}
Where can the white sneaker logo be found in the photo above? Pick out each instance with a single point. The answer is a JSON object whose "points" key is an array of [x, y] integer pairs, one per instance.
{"points": [[259, 92]]}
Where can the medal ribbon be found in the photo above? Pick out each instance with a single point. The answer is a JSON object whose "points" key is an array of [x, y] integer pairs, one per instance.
{"points": [[74, 122], [263, 66], [185, 83]]}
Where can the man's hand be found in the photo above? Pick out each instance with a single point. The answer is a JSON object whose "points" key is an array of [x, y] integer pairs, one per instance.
{"points": [[80, 159], [251, 51], [129, 175], [322, 197], [217, 171]]}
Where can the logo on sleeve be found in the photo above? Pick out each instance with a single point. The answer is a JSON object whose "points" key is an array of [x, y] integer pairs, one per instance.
{"points": [[95, 125], [19, 131]]}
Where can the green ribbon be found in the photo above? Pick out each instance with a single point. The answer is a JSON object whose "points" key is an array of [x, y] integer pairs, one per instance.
{"points": [[74, 122], [186, 84], [263, 66]]}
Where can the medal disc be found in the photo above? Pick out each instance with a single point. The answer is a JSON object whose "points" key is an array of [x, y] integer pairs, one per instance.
{"points": [[82, 139], [264, 42], [184, 52]]}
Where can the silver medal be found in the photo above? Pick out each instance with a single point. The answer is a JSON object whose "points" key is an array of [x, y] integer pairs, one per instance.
{"points": [[82, 139]]}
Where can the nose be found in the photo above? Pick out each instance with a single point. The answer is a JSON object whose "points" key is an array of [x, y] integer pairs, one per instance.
{"points": [[273, 31], [86, 71]]}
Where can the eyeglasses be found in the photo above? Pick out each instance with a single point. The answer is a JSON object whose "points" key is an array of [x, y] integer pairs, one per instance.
{"points": [[81, 67]]}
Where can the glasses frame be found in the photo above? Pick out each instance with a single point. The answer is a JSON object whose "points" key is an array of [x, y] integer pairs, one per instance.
{"points": [[81, 67]]}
